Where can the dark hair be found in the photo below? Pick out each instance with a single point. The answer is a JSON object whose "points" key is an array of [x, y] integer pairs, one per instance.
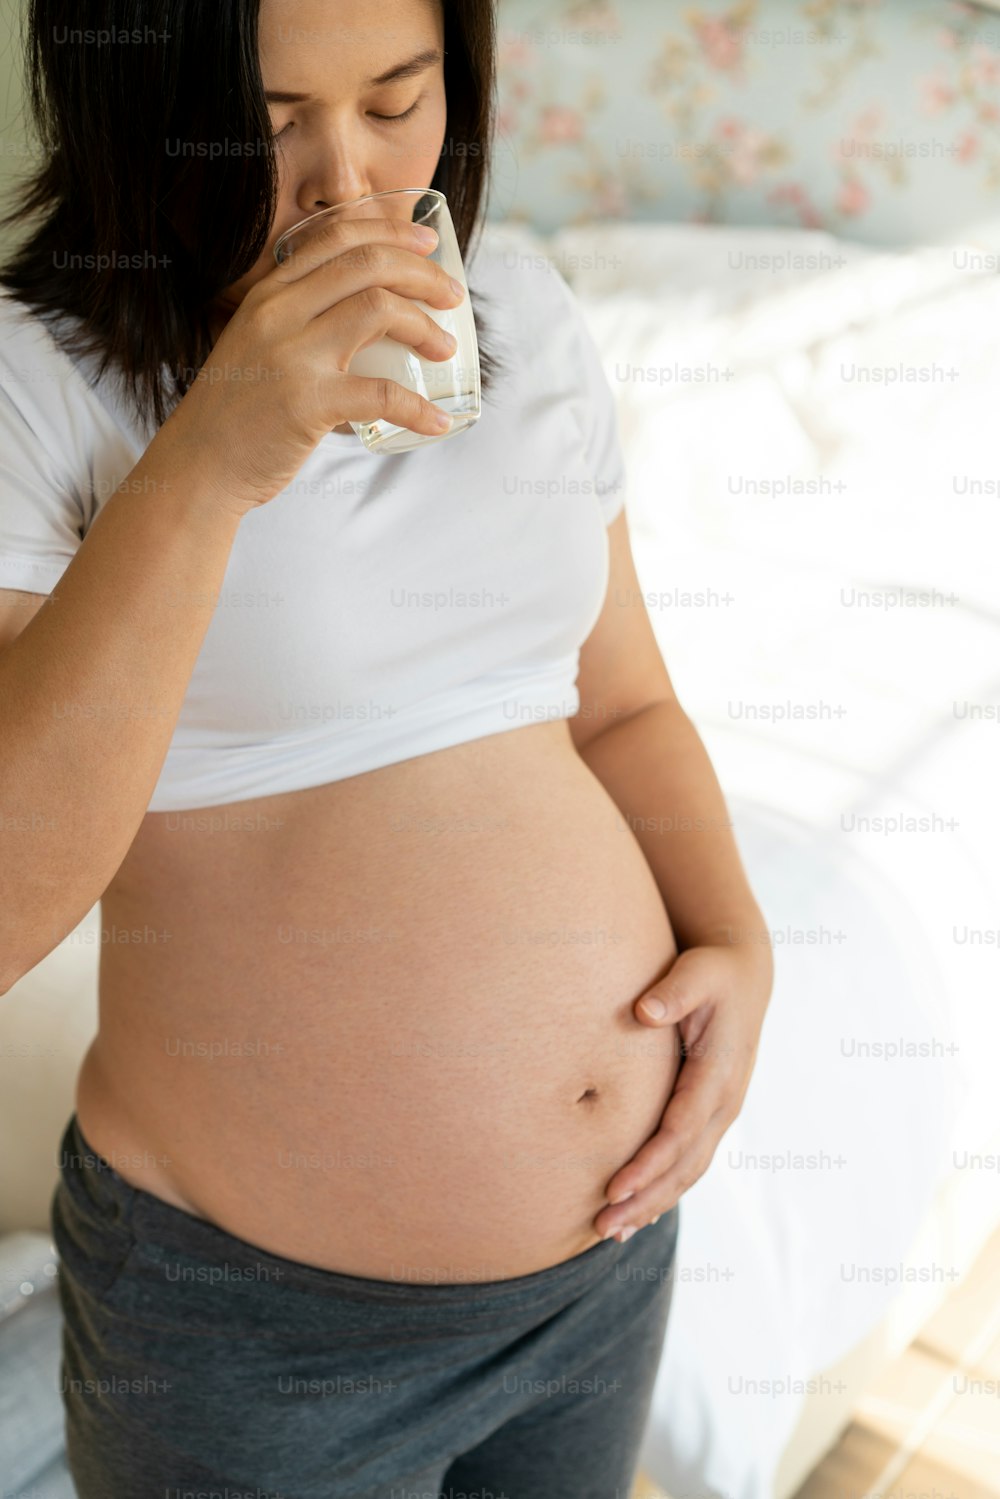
{"points": [[106, 107]]}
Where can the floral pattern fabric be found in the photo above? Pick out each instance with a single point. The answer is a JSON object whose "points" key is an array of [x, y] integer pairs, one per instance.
{"points": [[877, 120]]}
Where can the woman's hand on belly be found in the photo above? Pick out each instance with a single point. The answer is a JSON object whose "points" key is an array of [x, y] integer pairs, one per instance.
{"points": [[717, 997]]}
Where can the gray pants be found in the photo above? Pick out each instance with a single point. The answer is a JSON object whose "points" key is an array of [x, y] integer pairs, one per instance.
{"points": [[197, 1366]]}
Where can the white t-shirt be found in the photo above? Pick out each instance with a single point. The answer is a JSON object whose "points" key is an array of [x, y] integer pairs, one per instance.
{"points": [[378, 608]]}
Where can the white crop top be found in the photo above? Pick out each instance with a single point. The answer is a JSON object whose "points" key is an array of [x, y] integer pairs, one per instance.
{"points": [[378, 608]]}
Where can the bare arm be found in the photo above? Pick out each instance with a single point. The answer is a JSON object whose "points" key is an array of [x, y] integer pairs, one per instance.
{"points": [[92, 686], [90, 692]]}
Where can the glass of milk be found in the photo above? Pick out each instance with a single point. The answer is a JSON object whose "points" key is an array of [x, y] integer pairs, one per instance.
{"points": [[453, 384]]}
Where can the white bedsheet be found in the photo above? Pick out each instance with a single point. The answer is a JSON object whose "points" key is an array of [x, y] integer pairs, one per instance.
{"points": [[782, 1265]]}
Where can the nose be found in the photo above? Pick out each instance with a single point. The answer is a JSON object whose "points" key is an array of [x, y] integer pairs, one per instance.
{"points": [[345, 190], [335, 173]]}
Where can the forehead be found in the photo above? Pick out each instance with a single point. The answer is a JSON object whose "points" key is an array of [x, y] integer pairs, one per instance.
{"points": [[349, 39]]}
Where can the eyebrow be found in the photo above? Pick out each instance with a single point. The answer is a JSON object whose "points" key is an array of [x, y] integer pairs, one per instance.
{"points": [[410, 69]]}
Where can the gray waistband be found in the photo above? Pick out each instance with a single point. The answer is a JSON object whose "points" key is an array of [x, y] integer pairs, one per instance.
{"points": [[93, 1181]]}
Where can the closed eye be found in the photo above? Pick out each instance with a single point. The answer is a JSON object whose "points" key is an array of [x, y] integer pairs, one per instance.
{"points": [[404, 116], [389, 119]]}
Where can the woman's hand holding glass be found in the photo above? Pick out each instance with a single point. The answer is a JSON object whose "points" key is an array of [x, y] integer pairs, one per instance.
{"points": [[291, 340]]}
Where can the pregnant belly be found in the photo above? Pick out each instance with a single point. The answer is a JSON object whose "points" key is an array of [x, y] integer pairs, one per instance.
{"points": [[398, 1041]]}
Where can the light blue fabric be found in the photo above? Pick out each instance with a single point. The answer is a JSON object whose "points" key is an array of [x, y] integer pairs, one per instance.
{"points": [[870, 120]]}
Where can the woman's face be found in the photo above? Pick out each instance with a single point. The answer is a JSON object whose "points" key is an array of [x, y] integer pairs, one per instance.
{"points": [[339, 141]]}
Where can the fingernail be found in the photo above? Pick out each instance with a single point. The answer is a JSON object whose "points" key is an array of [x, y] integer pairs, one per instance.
{"points": [[656, 1219], [614, 1201], [426, 235], [627, 1233], [457, 287], [654, 1007]]}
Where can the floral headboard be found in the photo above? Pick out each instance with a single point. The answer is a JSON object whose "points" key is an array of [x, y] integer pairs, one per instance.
{"points": [[878, 120]]}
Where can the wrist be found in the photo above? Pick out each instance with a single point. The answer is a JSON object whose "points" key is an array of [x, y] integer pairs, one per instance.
{"points": [[188, 486], [749, 935], [190, 446]]}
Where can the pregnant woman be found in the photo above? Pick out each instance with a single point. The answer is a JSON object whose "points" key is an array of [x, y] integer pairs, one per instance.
{"points": [[377, 773]]}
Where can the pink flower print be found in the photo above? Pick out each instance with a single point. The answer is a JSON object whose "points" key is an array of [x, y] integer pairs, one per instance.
{"points": [[853, 198], [514, 51], [796, 195], [938, 95], [947, 38], [722, 47], [506, 122], [519, 89], [984, 64], [968, 146], [742, 150], [611, 200], [989, 111], [869, 120], [559, 124], [744, 163]]}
